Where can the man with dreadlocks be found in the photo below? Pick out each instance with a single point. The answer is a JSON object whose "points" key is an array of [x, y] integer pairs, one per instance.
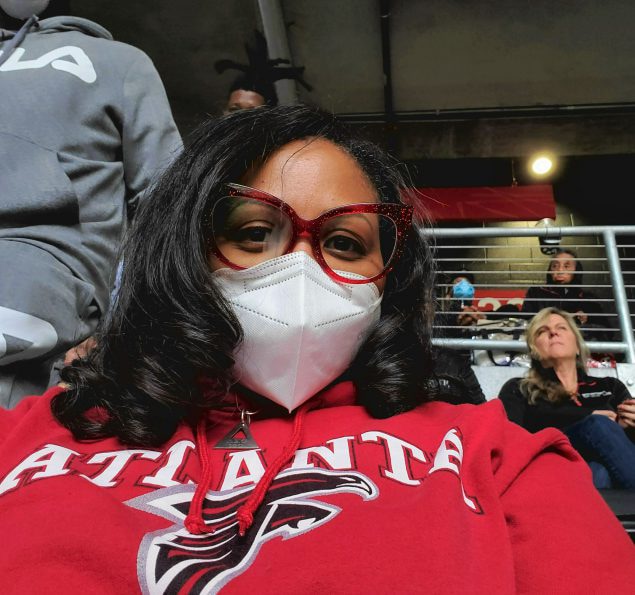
{"points": [[255, 86]]}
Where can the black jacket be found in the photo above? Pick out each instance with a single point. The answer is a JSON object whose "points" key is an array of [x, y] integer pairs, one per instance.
{"points": [[571, 299], [454, 380], [593, 393], [563, 297]]}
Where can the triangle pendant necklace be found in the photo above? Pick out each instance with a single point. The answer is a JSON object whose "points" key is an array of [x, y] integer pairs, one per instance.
{"points": [[239, 437]]}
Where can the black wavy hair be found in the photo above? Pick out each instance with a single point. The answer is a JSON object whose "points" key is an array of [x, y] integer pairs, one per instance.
{"points": [[164, 353]]}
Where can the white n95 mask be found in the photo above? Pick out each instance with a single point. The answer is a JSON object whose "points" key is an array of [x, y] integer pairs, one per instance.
{"points": [[301, 328]]}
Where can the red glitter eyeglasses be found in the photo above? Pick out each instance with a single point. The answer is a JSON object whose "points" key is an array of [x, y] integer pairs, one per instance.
{"points": [[356, 243]]}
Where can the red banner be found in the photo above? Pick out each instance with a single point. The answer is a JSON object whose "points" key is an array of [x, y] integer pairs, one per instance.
{"points": [[486, 203]]}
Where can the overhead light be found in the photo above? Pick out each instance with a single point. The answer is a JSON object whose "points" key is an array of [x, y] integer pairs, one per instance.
{"points": [[541, 165]]}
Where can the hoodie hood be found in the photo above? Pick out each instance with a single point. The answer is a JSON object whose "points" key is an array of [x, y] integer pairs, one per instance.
{"points": [[74, 24], [62, 23], [340, 394]]}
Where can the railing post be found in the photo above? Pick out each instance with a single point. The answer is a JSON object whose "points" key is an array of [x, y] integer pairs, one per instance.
{"points": [[621, 302]]}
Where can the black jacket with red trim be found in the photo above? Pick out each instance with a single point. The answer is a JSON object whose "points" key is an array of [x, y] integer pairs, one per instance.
{"points": [[593, 393]]}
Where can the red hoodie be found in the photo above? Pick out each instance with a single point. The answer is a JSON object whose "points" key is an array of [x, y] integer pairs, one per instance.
{"points": [[442, 499]]}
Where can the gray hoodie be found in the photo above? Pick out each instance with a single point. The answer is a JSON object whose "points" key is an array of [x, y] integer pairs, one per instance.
{"points": [[85, 125]]}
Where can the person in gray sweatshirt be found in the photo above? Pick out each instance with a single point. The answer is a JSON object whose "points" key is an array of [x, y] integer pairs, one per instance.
{"points": [[85, 125]]}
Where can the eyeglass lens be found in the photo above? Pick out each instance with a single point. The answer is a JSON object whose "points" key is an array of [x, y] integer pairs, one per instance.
{"points": [[248, 231]]}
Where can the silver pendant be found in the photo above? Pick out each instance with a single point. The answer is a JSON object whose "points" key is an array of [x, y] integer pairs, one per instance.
{"points": [[239, 437]]}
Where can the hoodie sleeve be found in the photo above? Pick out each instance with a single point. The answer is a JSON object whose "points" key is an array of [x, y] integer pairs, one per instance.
{"points": [[150, 138], [32, 412], [9, 418], [564, 538]]}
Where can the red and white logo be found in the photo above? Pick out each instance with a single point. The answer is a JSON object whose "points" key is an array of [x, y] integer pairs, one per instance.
{"points": [[175, 561]]}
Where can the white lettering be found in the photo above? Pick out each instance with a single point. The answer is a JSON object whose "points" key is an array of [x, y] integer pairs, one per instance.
{"points": [[339, 457], [119, 459], [81, 66], [165, 476], [244, 467], [449, 457], [52, 460], [398, 460]]}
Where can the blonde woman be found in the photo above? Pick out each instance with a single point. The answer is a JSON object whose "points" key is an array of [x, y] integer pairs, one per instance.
{"points": [[597, 414]]}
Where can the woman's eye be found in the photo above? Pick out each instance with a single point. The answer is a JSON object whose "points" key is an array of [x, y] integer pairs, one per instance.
{"points": [[344, 246], [252, 237], [254, 234]]}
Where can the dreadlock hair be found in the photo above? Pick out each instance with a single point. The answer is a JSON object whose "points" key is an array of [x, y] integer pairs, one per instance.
{"points": [[164, 353]]}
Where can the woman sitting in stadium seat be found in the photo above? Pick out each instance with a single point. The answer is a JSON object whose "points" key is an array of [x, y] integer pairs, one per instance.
{"points": [[564, 290], [597, 414]]}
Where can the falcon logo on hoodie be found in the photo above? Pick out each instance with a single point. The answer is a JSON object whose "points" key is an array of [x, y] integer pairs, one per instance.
{"points": [[172, 560]]}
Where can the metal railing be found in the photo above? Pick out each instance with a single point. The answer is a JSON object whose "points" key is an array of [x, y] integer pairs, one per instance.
{"points": [[504, 263]]}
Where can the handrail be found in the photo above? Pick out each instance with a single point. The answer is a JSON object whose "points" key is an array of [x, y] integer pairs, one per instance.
{"points": [[619, 292], [519, 232], [607, 233]]}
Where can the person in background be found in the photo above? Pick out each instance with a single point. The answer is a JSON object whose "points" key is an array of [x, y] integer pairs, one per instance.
{"points": [[255, 86], [462, 291], [563, 290], [85, 126], [457, 309], [457, 382], [247, 93], [596, 413], [257, 399]]}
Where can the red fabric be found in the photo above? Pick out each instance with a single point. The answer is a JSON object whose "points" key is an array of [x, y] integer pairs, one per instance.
{"points": [[442, 499], [486, 203], [245, 513], [194, 522]]}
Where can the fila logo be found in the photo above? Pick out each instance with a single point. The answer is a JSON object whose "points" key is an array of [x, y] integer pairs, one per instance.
{"points": [[76, 63]]}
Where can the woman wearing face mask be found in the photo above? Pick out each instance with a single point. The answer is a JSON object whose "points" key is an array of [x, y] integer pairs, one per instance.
{"points": [[462, 293], [598, 414], [563, 290], [253, 418], [455, 310]]}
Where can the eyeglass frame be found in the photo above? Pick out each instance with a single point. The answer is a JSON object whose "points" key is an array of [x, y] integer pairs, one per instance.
{"points": [[399, 213]]}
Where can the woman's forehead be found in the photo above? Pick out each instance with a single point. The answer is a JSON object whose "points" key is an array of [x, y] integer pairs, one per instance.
{"points": [[552, 320], [313, 175], [557, 319], [564, 257]]}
